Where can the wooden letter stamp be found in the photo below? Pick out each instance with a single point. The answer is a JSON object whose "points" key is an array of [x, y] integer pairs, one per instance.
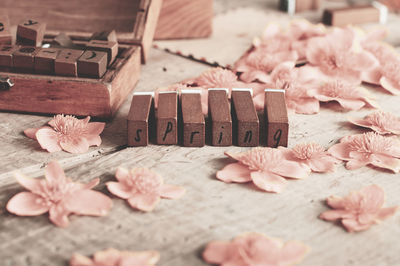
{"points": [[167, 118], [294, 6], [192, 119], [6, 55], [30, 32], [111, 48], [339, 17], [219, 114], [276, 118], [44, 60], [109, 35], [63, 40], [140, 119], [244, 115], [92, 64], [66, 62], [24, 58], [5, 34]]}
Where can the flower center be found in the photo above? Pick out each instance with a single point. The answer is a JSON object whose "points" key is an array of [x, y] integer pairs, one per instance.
{"points": [[305, 151], [262, 159], [371, 142], [381, 119], [69, 125]]}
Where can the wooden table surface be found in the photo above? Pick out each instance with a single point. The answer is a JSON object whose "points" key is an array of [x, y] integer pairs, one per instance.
{"points": [[210, 209]]}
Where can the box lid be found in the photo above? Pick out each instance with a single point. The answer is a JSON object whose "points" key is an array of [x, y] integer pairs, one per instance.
{"points": [[134, 20]]}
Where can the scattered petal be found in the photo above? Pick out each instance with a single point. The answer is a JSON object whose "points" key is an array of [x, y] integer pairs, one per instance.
{"points": [[368, 148], [142, 188], [113, 257], [67, 133], [380, 122], [359, 210], [59, 196], [255, 249]]}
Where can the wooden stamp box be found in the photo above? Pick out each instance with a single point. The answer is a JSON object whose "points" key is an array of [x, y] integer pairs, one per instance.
{"points": [[134, 22]]}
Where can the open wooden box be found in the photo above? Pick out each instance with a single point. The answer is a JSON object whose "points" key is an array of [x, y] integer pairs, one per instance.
{"points": [[134, 21]]}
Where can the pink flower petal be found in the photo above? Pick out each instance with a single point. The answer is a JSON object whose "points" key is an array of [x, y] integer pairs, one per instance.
{"points": [[387, 162], [144, 202], [352, 225], [372, 76], [306, 106], [171, 192], [258, 101], [54, 174], [93, 140], [32, 184], [357, 163], [59, 215], [27, 204], [333, 215], [217, 252], [322, 164], [119, 190], [292, 170], [386, 212], [48, 139], [293, 252], [351, 104], [335, 202], [234, 172], [268, 181], [31, 132], [88, 202], [122, 174], [95, 128], [75, 145], [79, 260], [340, 151], [390, 86]]}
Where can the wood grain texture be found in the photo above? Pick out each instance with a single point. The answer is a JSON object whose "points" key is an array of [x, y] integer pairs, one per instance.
{"points": [[351, 15], [185, 19], [219, 115], [193, 123], [167, 118], [139, 119], [246, 126], [211, 209], [276, 119]]}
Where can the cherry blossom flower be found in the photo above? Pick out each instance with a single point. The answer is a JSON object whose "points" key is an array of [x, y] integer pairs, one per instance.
{"points": [[339, 56], [256, 65], [59, 196], [273, 39], [113, 257], [312, 155], [253, 249], [301, 31], [67, 133], [265, 167], [217, 78], [390, 79], [297, 83], [380, 122], [142, 188], [368, 148], [349, 96], [359, 210]]}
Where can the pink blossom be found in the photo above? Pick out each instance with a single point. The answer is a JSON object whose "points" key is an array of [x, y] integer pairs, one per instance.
{"points": [[113, 257], [217, 78], [380, 122], [253, 249], [59, 196], [368, 148], [312, 155], [67, 133], [265, 167], [359, 210], [301, 31], [297, 83], [142, 188], [258, 64], [336, 55], [349, 96], [390, 79]]}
